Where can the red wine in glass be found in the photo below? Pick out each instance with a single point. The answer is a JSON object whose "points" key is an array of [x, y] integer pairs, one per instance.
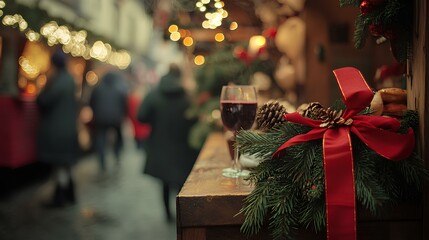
{"points": [[238, 111], [238, 115]]}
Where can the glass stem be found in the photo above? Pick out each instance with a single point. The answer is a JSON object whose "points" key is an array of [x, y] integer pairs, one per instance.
{"points": [[235, 163]]}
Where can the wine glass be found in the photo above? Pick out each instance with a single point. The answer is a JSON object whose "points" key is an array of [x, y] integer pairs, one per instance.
{"points": [[238, 111]]}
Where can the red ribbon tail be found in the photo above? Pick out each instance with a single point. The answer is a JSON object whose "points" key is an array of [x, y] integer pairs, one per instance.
{"points": [[313, 134], [339, 185]]}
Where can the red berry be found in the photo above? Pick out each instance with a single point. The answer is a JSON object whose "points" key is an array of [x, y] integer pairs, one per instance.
{"points": [[375, 30], [366, 7]]}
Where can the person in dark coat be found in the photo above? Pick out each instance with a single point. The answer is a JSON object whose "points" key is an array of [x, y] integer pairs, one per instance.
{"points": [[57, 134], [109, 105], [169, 156]]}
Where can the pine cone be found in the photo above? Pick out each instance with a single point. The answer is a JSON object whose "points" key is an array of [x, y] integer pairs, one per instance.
{"points": [[270, 115], [314, 110], [332, 118]]}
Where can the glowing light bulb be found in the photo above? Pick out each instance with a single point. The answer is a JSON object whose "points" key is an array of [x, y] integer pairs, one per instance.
{"points": [[219, 37], [175, 36], [233, 26], [173, 28], [188, 41], [199, 60]]}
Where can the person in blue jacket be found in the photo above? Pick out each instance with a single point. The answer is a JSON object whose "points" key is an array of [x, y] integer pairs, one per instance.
{"points": [[108, 102]]}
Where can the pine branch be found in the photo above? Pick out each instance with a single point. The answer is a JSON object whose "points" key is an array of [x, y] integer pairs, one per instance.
{"points": [[361, 31], [283, 209], [409, 120], [369, 192], [313, 215], [255, 209], [261, 145], [413, 170], [290, 189]]}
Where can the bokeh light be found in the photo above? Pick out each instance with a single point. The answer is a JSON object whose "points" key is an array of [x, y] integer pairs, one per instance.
{"points": [[199, 60]]}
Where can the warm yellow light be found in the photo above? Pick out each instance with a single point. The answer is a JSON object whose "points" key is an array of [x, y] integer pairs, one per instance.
{"points": [[86, 114], [224, 13], [199, 60], [203, 9], [22, 82], [124, 59], [49, 28], [233, 26], [205, 1], [32, 36], [100, 50], [199, 4], [175, 36], [31, 88], [91, 78], [219, 37], [63, 35], [206, 24], [9, 20], [173, 28], [22, 25], [255, 43], [219, 4], [28, 68], [216, 114], [188, 41], [2, 4], [80, 37]]}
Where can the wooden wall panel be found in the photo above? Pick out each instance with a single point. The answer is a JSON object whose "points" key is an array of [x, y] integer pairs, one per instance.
{"points": [[418, 91]]}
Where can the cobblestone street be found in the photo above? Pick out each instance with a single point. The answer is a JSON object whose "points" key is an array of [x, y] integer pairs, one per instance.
{"points": [[119, 204]]}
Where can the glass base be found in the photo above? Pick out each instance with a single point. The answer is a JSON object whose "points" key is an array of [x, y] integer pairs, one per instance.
{"points": [[234, 173]]}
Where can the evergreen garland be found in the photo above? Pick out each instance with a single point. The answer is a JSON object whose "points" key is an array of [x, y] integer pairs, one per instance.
{"points": [[290, 189], [389, 19]]}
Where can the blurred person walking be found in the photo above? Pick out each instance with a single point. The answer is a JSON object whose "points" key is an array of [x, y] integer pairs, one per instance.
{"points": [[109, 105], [57, 134], [169, 156], [141, 131]]}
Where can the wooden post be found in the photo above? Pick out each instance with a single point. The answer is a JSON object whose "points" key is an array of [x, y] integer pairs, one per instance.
{"points": [[418, 92]]}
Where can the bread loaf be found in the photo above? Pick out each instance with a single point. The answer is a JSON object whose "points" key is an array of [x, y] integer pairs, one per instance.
{"points": [[393, 95], [394, 109]]}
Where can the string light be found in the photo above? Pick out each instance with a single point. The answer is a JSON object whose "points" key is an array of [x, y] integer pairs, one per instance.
{"points": [[32, 36], [175, 36], [199, 60], [73, 42], [213, 18], [233, 26], [188, 41], [219, 37], [173, 28], [91, 78]]}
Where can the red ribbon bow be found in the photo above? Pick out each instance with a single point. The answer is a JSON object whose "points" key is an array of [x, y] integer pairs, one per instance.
{"points": [[377, 132]]}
